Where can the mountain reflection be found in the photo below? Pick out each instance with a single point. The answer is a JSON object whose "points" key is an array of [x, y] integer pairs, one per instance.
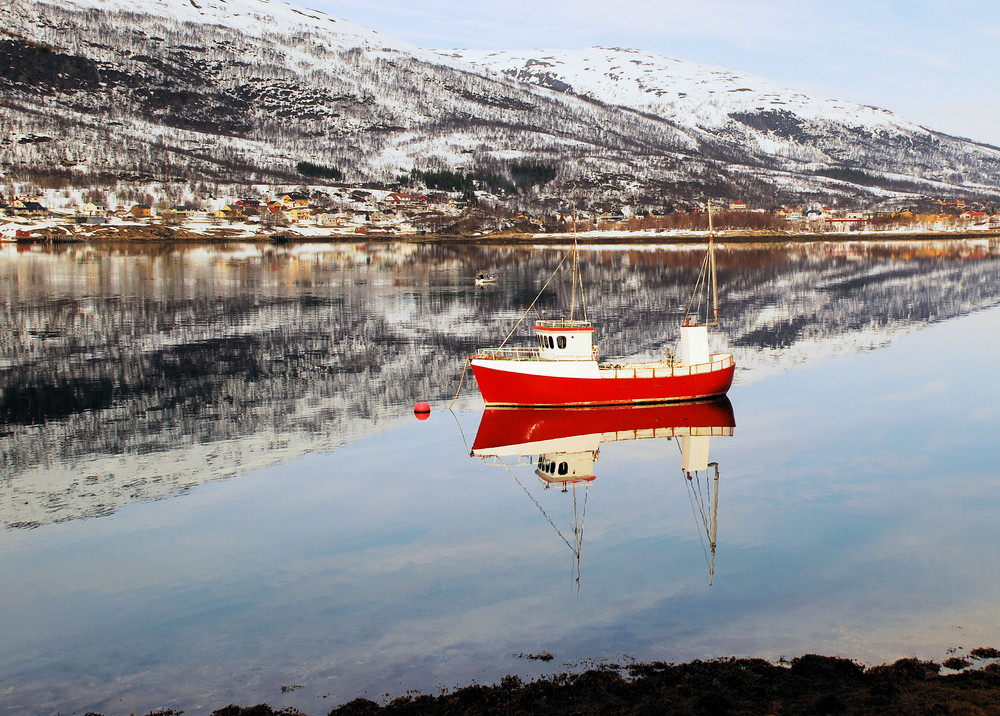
{"points": [[562, 445], [134, 372]]}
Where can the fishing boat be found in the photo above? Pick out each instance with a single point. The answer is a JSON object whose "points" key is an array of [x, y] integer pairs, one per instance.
{"points": [[563, 369], [484, 277], [562, 445]]}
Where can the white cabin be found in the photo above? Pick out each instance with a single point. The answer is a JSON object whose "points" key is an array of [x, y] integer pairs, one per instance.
{"points": [[566, 340], [566, 468]]}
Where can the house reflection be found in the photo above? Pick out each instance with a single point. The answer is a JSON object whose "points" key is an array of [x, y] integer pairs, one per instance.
{"points": [[563, 445]]}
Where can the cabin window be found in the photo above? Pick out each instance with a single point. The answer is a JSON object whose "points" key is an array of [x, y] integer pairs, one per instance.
{"points": [[561, 341], [549, 342], [541, 341], [563, 468]]}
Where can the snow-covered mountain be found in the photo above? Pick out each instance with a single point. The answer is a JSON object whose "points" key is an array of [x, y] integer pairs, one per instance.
{"points": [[776, 125], [696, 97], [183, 97]]}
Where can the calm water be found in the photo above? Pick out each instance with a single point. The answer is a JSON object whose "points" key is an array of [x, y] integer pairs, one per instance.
{"points": [[213, 488]]}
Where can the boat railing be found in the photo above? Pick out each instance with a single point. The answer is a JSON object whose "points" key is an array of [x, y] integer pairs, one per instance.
{"points": [[720, 361], [672, 432], [507, 353], [562, 323]]}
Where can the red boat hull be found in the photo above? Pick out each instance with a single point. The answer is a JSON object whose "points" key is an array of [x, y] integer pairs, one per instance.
{"points": [[504, 385]]}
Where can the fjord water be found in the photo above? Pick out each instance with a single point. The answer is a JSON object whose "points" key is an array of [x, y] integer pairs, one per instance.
{"points": [[214, 490]]}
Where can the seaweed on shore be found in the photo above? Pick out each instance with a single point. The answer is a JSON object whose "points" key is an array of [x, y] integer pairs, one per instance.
{"points": [[810, 684]]}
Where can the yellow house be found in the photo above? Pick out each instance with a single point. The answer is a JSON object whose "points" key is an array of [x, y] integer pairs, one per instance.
{"points": [[295, 199]]}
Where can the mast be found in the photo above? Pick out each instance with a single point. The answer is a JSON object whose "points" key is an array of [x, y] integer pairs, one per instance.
{"points": [[705, 499], [711, 267], [715, 514], [572, 299]]}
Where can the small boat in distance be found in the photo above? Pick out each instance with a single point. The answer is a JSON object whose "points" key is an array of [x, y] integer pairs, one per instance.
{"points": [[483, 278], [564, 370]]}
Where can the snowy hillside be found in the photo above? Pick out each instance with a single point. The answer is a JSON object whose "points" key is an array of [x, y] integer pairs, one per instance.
{"points": [[769, 121], [692, 95], [260, 19], [195, 97]]}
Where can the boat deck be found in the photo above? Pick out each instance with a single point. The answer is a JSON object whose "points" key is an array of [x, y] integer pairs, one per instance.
{"points": [[664, 368], [616, 369]]}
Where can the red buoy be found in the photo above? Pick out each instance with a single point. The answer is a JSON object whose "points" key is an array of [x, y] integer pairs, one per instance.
{"points": [[422, 410]]}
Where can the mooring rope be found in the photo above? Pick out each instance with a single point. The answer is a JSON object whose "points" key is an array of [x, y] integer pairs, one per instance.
{"points": [[461, 380]]}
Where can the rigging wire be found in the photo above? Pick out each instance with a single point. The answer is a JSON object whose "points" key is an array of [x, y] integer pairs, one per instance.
{"points": [[697, 502], [541, 509], [528, 309]]}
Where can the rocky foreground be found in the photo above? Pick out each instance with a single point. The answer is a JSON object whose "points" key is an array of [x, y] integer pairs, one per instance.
{"points": [[807, 685]]}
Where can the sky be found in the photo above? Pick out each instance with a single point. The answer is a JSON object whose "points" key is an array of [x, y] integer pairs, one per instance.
{"points": [[933, 62]]}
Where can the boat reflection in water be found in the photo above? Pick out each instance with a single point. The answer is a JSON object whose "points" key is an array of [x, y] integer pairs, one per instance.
{"points": [[562, 444]]}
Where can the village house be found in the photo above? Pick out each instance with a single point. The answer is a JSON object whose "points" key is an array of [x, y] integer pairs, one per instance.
{"points": [[141, 211], [937, 222], [815, 215], [249, 207], [295, 199], [298, 213], [378, 218], [737, 206], [613, 217], [339, 220], [27, 207], [398, 198], [92, 209], [184, 211], [229, 212], [92, 214], [975, 218], [852, 221]]}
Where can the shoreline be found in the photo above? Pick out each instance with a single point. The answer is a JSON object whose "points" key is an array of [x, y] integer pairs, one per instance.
{"points": [[810, 684], [156, 233]]}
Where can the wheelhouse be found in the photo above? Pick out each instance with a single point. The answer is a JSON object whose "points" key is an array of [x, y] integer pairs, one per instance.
{"points": [[565, 340]]}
